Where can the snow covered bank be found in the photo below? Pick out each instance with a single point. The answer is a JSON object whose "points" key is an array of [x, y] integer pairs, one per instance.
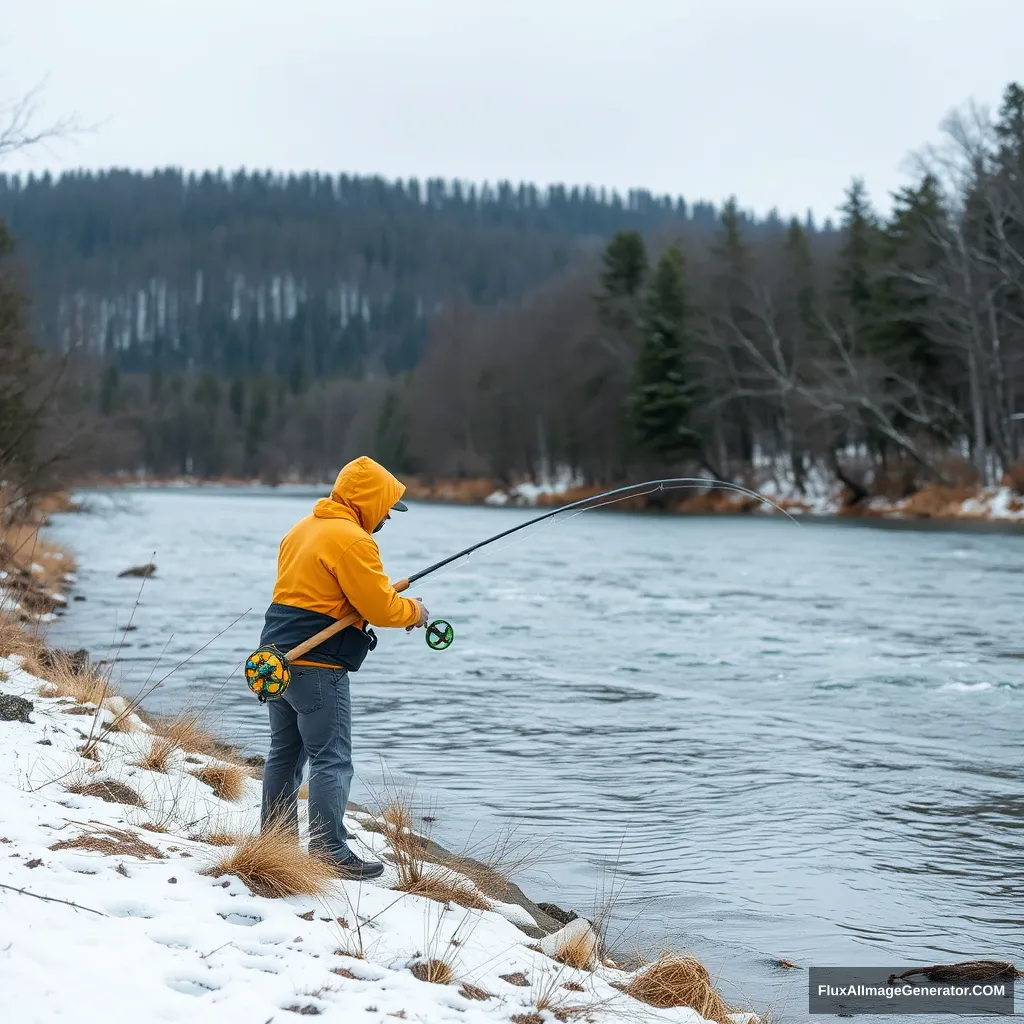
{"points": [[820, 495], [112, 908], [527, 492]]}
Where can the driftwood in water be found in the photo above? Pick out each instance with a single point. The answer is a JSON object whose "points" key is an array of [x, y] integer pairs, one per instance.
{"points": [[968, 970]]}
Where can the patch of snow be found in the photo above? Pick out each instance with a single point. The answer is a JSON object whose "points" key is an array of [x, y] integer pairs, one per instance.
{"points": [[164, 940], [528, 492]]}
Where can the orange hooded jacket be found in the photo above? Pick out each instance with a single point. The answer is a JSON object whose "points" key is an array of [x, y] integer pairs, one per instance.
{"points": [[329, 563]]}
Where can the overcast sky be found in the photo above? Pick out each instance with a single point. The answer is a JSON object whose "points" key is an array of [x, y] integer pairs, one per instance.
{"points": [[780, 102]]}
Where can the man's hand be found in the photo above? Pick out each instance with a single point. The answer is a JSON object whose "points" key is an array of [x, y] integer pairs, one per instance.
{"points": [[422, 620]]}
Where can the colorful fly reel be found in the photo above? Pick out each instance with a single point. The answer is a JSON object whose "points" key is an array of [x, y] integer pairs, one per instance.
{"points": [[440, 635], [267, 673]]}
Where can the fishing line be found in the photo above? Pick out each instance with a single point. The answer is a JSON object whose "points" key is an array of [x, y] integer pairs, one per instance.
{"points": [[619, 494]]}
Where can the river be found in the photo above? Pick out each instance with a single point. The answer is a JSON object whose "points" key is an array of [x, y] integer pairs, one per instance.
{"points": [[755, 739]]}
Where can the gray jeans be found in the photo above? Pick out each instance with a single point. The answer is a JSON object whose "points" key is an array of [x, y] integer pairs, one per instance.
{"points": [[312, 721]]}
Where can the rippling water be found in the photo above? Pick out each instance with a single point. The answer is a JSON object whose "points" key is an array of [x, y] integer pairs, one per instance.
{"points": [[799, 741]]}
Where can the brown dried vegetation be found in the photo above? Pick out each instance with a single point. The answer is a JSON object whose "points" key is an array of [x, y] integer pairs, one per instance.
{"points": [[271, 863], [676, 980], [113, 842]]}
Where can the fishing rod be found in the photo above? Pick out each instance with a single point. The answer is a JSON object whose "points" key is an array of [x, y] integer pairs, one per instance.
{"points": [[617, 494], [267, 670]]}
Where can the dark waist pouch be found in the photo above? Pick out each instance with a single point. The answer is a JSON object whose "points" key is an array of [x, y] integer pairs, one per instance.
{"points": [[286, 626]]}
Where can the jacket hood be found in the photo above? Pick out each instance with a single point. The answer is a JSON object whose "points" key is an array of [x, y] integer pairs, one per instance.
{"points": [[364, 490]]}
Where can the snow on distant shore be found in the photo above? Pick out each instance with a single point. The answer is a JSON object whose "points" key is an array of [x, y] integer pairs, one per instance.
{"points": [[528, 492], [819, 495], [156, 938]]}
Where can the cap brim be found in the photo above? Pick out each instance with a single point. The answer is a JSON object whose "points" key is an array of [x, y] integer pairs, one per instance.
{"points": [[399, 506]]}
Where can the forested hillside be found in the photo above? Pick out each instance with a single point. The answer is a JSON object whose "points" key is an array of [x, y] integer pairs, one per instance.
{"points": [[303, 275], [261, 326]]}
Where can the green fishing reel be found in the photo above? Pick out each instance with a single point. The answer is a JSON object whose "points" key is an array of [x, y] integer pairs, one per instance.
{"points": [[440, 635]]}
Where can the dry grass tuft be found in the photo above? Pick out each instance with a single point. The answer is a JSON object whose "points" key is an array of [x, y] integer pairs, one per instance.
{"points": [[435, 971], [518, 979], [15, 641], [425, 869], [352, 954], [398, 814], [675, 980], [153, 826], [271, 863], [474, 992], [24, 551], [579, 951], [444, 889], [408, 847], [157, 758], [114, 842], [527, 1018], [573, 986], [188, 731], [226, 780], [66, 679], [217, 838], [124, 721], [185, 731], [109, 790]]}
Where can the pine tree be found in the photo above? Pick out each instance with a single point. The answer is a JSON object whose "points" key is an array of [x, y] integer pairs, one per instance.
{"points": [[623, 273], [1009, 130], [899, 313], [799, 267], [857, 254], [665, 389]]}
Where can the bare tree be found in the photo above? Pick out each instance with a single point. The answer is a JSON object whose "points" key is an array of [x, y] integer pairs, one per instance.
{"points": [[20, 127]]}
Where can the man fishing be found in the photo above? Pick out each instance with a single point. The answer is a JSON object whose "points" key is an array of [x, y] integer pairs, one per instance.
{"points": [[328, 567]]}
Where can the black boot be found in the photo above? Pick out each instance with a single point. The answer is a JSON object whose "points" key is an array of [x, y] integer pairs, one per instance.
{"points": [[351, 867]]}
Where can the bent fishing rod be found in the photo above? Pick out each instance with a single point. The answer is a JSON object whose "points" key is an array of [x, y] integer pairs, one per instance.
{"points": [[440, 634]]}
